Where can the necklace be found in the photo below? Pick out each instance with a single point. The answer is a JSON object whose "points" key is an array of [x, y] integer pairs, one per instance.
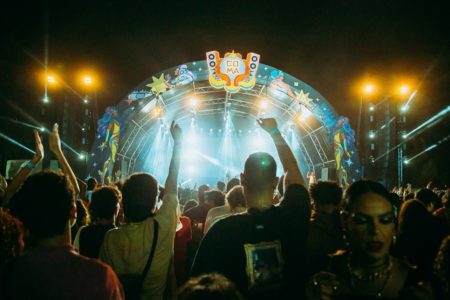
{"points": [[385, 272]]}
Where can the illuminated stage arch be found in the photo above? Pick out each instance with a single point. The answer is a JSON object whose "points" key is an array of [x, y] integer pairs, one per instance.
{"points": [[220, 129]]}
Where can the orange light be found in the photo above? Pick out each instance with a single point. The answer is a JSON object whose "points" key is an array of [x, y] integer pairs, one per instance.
{"points": [[157, 111], [87, 80], [369, 88], [404, 89], [51, 79]]}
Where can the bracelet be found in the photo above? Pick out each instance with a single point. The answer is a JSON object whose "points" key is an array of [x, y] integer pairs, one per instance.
{"points": [[29, 165], [274, 131]]}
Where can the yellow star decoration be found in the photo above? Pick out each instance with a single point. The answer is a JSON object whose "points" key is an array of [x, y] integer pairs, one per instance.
{"points": [[158, 85], [303, 98]]}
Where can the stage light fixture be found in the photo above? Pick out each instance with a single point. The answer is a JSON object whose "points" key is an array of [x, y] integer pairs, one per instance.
{"points": [[157, 111], [81, 156], [372, 135], [42, 129], [86, 100], [371, 107], [45, 99], [193, 101], [263, 104], [406, 162]]}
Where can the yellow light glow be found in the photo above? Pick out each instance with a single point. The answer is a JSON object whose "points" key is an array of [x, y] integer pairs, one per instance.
{"points": [[87, 80], [157, 111], [404, 89], [263, 104], [51, 79], [369, 88]]}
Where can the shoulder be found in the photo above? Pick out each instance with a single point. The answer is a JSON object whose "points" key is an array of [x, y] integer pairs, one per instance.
{"points": [[227, 224]]}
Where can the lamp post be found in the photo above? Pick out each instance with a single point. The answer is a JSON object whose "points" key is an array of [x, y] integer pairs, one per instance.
{"points": [[368, 89]]}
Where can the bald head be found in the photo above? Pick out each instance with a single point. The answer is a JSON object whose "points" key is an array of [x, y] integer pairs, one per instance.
{"points": [[259, 179]]}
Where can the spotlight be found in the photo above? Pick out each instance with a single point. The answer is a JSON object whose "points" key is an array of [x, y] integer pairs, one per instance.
{"points": [[45, 99], [371, 107], [81, 156], [406, 162], [404, 136], [42, 129], [193, 102], [86, 100], [191, 170], [263, 104], [157, 111], [371, 135]]}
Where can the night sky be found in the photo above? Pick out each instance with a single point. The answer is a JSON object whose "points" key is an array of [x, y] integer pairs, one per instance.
{"points": [[330, 45]]}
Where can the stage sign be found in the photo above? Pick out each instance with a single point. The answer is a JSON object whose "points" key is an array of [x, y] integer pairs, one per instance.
{"points": [[232, 72]]}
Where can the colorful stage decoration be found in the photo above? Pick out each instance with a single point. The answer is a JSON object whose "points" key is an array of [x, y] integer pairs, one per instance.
{"points": [[232, 72], [128, 130], [109, 129]]}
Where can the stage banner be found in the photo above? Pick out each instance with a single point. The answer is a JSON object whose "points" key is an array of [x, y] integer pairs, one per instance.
{"points": [[232, 72]]}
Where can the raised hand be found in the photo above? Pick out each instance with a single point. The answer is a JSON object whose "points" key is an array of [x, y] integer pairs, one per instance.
{"points": [[55, 141], [39, 148], [176, 132], [269, 124]]}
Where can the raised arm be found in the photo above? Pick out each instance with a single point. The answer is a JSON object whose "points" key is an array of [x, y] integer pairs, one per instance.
{"points": [[55, 147], [287, 158], [20, 178], [174, 167]]}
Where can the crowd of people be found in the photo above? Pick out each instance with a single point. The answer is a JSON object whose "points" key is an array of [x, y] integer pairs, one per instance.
{"points": [[253, 237]]}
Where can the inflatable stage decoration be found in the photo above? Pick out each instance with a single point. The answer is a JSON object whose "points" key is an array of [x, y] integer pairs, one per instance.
{"points": [[131, 134]]}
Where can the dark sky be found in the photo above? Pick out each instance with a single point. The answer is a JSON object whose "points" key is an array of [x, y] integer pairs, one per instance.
{"points": [[329, 45]]}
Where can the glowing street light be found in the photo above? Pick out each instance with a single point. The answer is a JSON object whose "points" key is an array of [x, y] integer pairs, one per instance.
{"points": [[404, 89], [369, 88], [87, 80], [51, 79]]}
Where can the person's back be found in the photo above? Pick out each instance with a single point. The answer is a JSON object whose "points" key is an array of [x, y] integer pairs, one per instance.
{"points": [[127, 248], [104, 209], [51, 268], [325, 234], [61, 273], [262, 250], [419, 236]]}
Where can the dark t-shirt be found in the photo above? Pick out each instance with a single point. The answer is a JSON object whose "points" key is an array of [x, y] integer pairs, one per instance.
{"points": [[222, 249], [91, 239]]}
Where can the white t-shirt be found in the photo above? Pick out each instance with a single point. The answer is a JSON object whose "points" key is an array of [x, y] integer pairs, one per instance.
{"points": [[219, 212], [126, 249]]}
